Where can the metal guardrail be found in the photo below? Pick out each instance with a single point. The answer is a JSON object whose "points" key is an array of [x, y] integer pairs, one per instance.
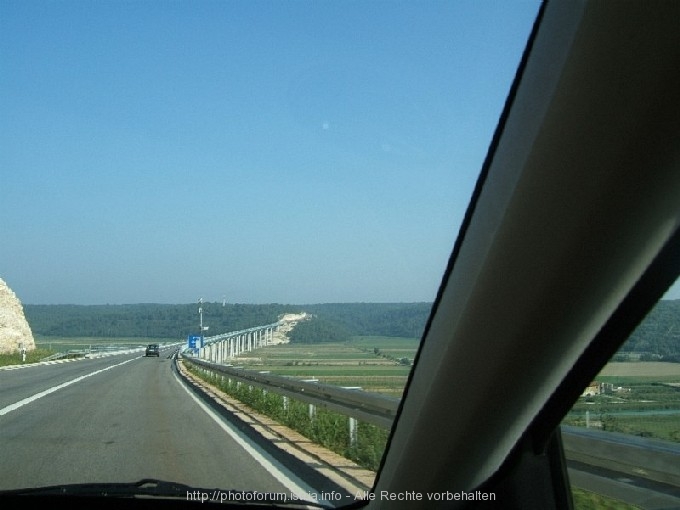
{"points": [[73, 353], [642, 457], [56, 355], [95, 350], [367, 407], [651, 459]]}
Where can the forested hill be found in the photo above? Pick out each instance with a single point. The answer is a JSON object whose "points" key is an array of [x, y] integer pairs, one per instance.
{"points": [[658, 337], [659, 334], [337, 322], [178, 321], [148, 320]]}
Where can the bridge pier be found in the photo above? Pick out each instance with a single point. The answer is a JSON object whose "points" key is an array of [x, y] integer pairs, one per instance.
{"points": [[222, 348]]}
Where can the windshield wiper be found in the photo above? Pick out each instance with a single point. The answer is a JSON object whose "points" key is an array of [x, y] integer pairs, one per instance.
{"points": [[150, 487]]}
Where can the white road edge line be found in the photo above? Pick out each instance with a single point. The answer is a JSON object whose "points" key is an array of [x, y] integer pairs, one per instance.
{"points": [[296, 486], [33, 398]]}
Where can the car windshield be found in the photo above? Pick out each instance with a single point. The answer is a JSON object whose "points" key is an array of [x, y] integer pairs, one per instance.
{"points": [[267, 190]]}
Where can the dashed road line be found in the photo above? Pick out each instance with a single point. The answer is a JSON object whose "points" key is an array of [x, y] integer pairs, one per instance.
{"points": [[33, 398]]}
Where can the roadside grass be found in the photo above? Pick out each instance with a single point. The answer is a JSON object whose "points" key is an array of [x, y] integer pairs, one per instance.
{"points": [[321, 426], [371, 363], [586, 500], [31, 357]]}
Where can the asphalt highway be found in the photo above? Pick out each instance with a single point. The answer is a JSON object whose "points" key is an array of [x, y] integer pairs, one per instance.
{"points": [[121, 419]]}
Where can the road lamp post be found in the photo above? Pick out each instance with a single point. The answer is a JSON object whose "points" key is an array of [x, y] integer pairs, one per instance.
{"points": [[200, 315], [200, 320]]}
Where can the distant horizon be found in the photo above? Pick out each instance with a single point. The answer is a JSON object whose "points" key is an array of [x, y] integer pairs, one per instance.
{"points": [[665, 298], [237, 303]]}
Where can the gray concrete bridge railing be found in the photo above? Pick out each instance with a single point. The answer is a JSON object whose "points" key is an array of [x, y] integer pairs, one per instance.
{"points": [[220, 348]]}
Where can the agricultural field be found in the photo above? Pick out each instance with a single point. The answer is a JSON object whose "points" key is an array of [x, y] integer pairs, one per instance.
{"points": [[645, 369], [641, 398], [394, 347], [375, 364]]}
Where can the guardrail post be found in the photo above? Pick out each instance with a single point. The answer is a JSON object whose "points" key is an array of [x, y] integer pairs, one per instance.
{"points": [[370, 408], [352, 431]]}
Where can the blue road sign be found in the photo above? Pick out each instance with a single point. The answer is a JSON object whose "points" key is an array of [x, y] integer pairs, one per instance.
{"points": [[194, 342]]}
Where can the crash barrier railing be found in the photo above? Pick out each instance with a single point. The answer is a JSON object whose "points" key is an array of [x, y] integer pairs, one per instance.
{"points": [[55, 356], [93, 351], [78, 353], [641, 457], [360, 405]]}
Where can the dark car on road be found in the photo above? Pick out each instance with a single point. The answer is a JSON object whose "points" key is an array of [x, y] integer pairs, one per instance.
{"points": [[152, 350]]}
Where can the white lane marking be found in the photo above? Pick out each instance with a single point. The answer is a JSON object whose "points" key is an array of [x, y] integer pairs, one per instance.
{"points": [[291, 482], [32, 398]]}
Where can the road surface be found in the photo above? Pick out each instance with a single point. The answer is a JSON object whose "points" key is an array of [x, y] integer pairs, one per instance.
{"points": [[121, 419]]}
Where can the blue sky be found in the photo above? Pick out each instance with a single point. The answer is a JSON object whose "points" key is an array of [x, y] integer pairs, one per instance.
{"points": [[291, 152]]}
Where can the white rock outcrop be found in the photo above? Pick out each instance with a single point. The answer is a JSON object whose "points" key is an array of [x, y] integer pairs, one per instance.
{"points": [[14, 329]]}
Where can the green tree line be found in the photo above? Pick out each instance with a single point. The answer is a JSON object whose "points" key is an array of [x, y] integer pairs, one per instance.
{"points": [[375, 319], [658, 336], [332, 322], [148, 320]]}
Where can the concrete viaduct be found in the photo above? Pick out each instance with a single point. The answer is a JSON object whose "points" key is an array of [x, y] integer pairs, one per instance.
{"points": [[221, 348]]}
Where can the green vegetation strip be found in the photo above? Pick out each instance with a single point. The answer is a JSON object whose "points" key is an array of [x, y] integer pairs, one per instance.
{"points": [[323, 427], [586, 500], [33, 356]]}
